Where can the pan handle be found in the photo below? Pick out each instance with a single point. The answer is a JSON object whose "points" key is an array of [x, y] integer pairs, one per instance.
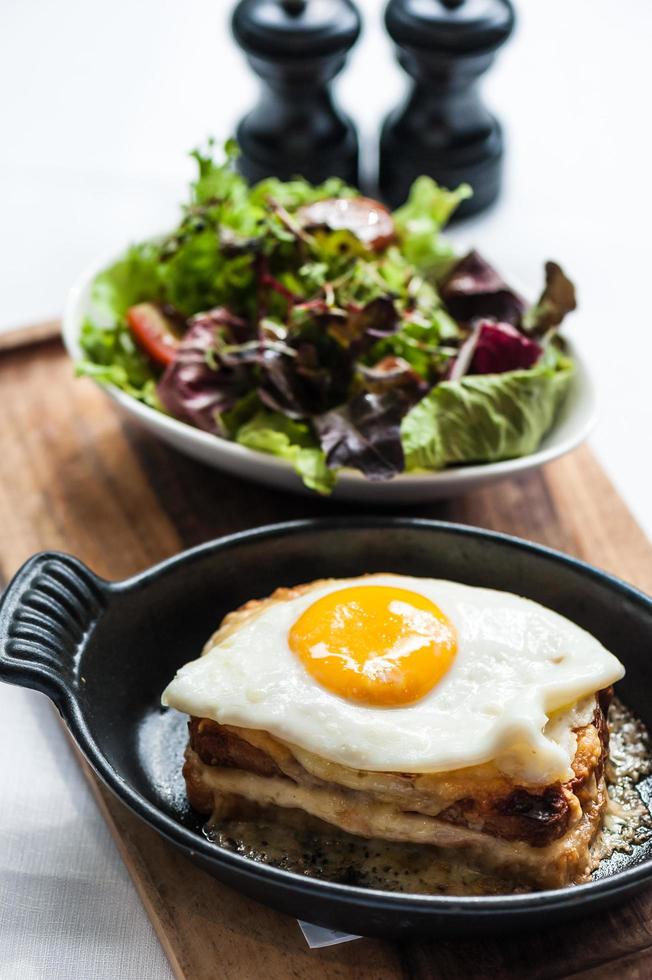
{"points": [[47, 613]]}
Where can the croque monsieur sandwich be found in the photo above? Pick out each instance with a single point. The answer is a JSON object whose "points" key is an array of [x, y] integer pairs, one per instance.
{"points": [[411, 710]]}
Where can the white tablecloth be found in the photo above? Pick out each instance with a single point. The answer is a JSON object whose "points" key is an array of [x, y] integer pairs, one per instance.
{"points": [[67, 906], [100, 103]]}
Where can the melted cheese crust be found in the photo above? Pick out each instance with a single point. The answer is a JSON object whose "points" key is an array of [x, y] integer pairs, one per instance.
{"points": [[220, 792]]}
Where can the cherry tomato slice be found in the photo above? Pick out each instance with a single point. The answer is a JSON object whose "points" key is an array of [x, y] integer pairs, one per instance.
{"points": [[368, 220], [155, 332]]}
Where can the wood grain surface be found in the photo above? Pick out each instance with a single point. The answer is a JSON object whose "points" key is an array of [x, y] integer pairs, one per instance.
{"points": [[79, 477], [35, 333]]}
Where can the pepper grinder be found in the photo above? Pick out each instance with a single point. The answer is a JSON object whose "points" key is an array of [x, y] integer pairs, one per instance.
{"points": [[296, 47], [443, 129]]}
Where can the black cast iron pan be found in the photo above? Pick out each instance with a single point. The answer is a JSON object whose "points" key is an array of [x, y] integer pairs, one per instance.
{"points": [[104, 651]]}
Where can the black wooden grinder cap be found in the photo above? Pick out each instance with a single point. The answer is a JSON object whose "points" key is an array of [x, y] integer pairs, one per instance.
{"points": [[455, 26], [295, 28]]}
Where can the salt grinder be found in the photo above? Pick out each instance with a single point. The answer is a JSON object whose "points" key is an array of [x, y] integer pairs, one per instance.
{"points": [[296, 47], [443, 129]]}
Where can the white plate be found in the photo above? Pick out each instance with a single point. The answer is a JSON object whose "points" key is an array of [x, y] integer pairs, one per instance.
{"points": [[573, 425]]}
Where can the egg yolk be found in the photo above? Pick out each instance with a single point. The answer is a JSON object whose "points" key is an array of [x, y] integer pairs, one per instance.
{"points": [[375, 644]]}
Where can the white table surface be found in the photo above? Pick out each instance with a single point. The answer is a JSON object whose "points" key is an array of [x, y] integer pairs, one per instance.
{"points": [[100, 102]]}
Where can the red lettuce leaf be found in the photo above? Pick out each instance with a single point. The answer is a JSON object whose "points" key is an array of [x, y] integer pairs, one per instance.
{"points": [[308, 383], [280, 390], [196, 387], [557, 299], [365, 434], [232, 329], [493, 348], [474, 289], [315, 370], [379, 318]]}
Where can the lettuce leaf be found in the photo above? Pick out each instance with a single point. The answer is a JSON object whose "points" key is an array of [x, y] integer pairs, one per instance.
{"points": [[493, 348], [419, 221], [113, 358], [486, 418], [292, 194], [271, 432], [473, 288], [365, 434], [557, 299], [133, 279], [197, 387], [421, 341]]}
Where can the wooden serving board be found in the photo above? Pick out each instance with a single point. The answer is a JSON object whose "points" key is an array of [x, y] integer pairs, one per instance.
{"points": [[79, 477]]}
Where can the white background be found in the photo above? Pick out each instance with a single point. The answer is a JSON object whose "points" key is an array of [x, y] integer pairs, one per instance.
{"points": [[99, 103]]}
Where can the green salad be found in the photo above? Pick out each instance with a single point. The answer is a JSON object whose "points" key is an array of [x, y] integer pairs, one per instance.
{"points": [[313, 324]]}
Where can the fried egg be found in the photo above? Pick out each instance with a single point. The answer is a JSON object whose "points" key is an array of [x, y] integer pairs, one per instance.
{"points": [[392, 673]]}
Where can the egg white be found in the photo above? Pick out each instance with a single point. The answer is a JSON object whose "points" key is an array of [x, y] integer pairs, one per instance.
{"points": [[517, 664]]}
